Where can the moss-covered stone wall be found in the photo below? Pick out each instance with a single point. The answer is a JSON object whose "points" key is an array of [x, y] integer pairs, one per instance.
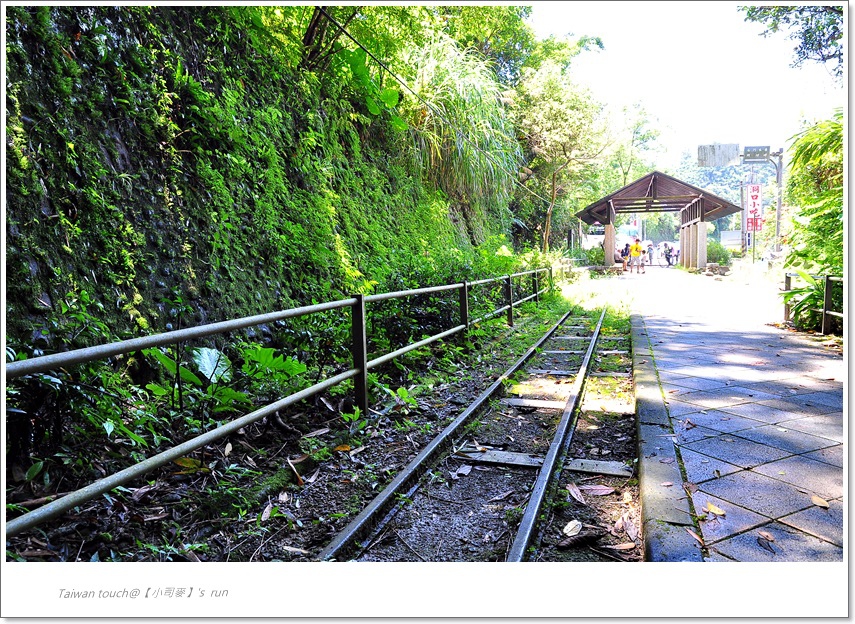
{"points": [[169, 165]]}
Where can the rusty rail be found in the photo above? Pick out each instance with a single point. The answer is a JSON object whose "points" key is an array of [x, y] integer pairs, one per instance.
{"points": [[358, 373]]}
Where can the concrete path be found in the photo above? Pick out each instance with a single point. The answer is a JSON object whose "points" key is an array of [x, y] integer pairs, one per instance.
{"points": [[740, 422]]}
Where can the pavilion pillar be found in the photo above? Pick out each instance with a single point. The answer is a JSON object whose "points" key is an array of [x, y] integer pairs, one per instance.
{"points": [[609, 245], [701, 245]]}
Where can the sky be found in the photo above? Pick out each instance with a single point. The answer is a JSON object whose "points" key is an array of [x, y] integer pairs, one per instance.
{"points": [[705, 73]]}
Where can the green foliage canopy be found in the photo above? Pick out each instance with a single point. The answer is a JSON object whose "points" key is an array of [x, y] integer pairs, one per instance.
{"points": [[816, 185], [817, 29]]}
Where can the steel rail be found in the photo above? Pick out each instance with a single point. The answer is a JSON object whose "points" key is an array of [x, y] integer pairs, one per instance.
{"points": [[101, 352], [556, 450], [69, 501], [364, 521]]}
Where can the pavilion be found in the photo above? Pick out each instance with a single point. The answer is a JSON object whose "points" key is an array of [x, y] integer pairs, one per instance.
{"points": [[658, 192]]}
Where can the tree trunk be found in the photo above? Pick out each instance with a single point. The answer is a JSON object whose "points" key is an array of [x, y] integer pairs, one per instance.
{"points": [[548, 225]]}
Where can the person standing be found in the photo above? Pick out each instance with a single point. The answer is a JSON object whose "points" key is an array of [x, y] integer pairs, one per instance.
{"points": [[635, 256], [650, 254]]}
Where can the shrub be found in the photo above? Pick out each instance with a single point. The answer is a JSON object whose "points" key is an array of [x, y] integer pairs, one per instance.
{"points": [[717, 253]]}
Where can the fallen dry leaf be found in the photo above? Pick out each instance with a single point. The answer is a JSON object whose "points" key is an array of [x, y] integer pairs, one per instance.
{"points": [[575, 492], [624, 546], [296, 474], [766, 535], [819, 502], [630, 528], [574, 527], [597, 490], [313, 477], [667, 483], [695, 535], [464, 470], [715, 510], [627, 497], [501, 496], [579, 540], [317, 432], [266, 513], [764, 543], [295, 550], [227, 450]]}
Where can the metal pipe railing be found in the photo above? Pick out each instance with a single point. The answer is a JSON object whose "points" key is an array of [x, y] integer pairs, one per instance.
{"points": [[361, 366], [58, 507], [102, 352], [826, 311]]}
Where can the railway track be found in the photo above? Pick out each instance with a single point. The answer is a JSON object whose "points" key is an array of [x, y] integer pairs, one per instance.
{"points": [[484, 489]]}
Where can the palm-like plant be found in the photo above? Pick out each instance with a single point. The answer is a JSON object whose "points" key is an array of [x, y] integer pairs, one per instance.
{"points": [[816, 185], [464, 141]]}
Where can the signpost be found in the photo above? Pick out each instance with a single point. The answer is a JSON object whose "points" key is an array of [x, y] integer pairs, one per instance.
{"points": [[722, 155], [763, 154]]}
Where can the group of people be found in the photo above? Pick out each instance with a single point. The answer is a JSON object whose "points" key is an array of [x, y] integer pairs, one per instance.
{"points": [[636, 256]]}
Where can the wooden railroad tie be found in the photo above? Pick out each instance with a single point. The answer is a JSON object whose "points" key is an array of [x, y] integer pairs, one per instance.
{"points": [[507, 458]]}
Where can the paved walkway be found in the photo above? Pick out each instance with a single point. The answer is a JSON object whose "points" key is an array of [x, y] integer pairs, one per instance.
{"points": [[740, 418]]}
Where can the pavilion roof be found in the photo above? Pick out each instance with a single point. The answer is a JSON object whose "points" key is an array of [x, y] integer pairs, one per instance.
{"points": [[656, 192]]}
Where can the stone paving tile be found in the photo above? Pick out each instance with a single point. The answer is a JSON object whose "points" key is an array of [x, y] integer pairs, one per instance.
{"points": [[759, 493], [762, 412], [832, 398], [717, 420], [684, 435], [678, 409], [718, 398], [815, 477], [667, 377], [805, 385], [675, 390], [738, 451], [790, 545], [832, 455], [823, 523], [798, 406], [700, 468], [735, 520], [784, 438], [689, 384], [716, 557], [782, 387]]}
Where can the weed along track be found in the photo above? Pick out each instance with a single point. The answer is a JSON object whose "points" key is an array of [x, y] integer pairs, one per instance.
{"points": [[494, 485]]}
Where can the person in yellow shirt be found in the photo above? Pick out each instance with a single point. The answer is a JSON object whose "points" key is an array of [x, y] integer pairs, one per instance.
{"points": [[635, 256]]}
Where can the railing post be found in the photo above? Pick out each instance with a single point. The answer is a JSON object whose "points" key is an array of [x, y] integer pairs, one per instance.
{"points": [[509, 297], [359, 349], [788, 282], [826, 306], [464, 304], [536, 289]]}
